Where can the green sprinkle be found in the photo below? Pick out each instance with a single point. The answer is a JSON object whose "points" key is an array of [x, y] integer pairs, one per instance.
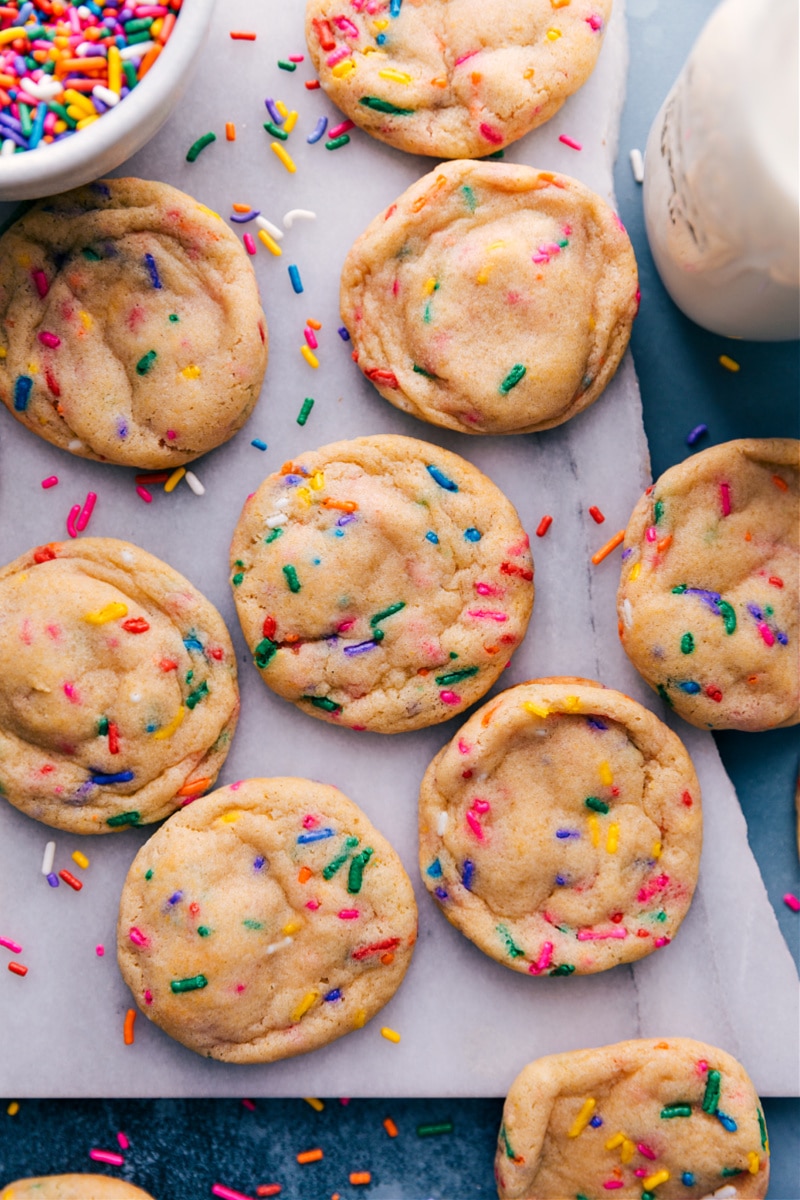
{"points": [[648, 1196], [324, 702], [676, 1110], [564, 969], [305, 411], [711, 1097], [174, 317], [455, 676], [271, 537], [351, 843], [237, 578], [291, 578], [378, 105], [25, 119], [90, 255], [422, 371], [276, 131], [580, 1196], [337, 143], [286, 66], [334, 865], [194, 698], [679, 589], [426, 316], [251, 924], [129, 71], [509, 1152], [435, 1130], [200, 145], [102, 727], [203, 930], [189, 985], [61, 112], [356, 872], [469, 196], [264, 653], [145, 362], [662, 691], [594, 802], [728, 615], [148, 874], [387, 612], [687, 644], [762, 1127], [126, 818], [661, 916], [497, 154], [511, 946], [513, 377], [658, 511], [727, 1172]]}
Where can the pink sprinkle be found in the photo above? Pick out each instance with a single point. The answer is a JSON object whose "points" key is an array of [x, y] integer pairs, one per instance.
{"points": [[88, 509], [143, 494], [345, 625], [475, 825], [107, 1156], [311, 338], [123, 1141], [249, 1105], [344, 1100], [249, 244], [9, 945], [138, 938], [766, 633], [640, 1172], [652, 534], [595, 22], [310, 821], [49, 339], [42, 286], [702, 1067], [148, 997], [592, 935], [647, 1152], [342, 127], [725, 498], [348, 914], [541, 258], [70, 691], [99, 951], [449, 698], [568, 141], [338, 55], [312, 904], [74, 512], [171, 434], [463, 747], [662, 941], [491, 135], [226, 1193], [51, 481], [487, 589], [612, 1184], [481, 806], [650, 889], [347, 27], [791, 901], [464, 57], [543, 961], [298, 58], [485, 614]]}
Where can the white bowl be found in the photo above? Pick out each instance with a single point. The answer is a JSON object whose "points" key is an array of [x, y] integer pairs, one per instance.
{"points": [[120, 132]]}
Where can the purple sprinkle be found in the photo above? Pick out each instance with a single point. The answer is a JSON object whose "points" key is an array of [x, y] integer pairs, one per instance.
{"points": [[52, 879], [567, 833], [150, 263], [627, 553], [175, 898], [696, 434], [596, 1122], [782, 638], [440, 893], [346, 519], [259, 863], [359, 648], [242, 218], [122, 429], [755, 611], [321, 126], [560, 880], [712, 599], [596, 723], [292, 480], [343, 334], [272, 110], [467, 872]]}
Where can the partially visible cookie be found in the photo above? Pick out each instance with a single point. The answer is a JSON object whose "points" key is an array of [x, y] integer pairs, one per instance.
{"points": [[118, 694], [73, 1187], [561, 829], [453, 78], [265, 920], [131, 329], [659, 1120], [709, 597], [491, 298], [381, 583]]}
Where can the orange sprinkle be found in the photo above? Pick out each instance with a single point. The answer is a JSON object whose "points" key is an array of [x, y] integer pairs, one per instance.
{"points": [[241, 208], [344, 505], [148, 60], [752, 679], [439, 82], [487, 716], [748, 537], [167, 27], [609, 547], [387, 959], [127, 1028], [309, 1156], [390, 1127], [360, 1177], [242, 35], [230, 131], [287, 468], [476, 77], [780, 483], [192, 789], [304, 875], [664, 544], [312, 324]]}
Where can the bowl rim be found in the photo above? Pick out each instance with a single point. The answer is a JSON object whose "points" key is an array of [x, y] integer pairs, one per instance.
{"points": [[34, 169]]}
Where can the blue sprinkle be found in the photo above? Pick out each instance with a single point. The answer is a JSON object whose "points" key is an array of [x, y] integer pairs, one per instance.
{"points": [[435, 869], [442, 480], [596, 1122], [440, 893], [467, 871], [52, 879], [22, 387], [338, 533], [259, 445], [687, 1179], [315, 835], [561, 880], [343, 334], [297, 282], [120, 777], [336, 994], [394, 8], [432, 538], [321, 126], [596, 723], [243, 218], [567, 833], [259, 863], [693, 437], [381, 39], [191, 643], [725, 1121], [151, 728], [690, 687], [782, 638], [150, 263], [175, 898], [472, 535], [122, 428]]}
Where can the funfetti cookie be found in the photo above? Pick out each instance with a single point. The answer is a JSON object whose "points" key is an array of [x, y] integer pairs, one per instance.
{"points": [[118, 694], [709, 595], [73, 1187], [265, 920], [561, 828], [131, 328], [453, 78], [381, 583], [641, 1120], [491, 298]]}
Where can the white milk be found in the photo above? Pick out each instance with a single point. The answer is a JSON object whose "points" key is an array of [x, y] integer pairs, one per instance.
{"points": [[721, 175]]}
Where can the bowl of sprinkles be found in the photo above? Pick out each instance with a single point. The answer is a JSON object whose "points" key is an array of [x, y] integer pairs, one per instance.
{"points": [[84, 86]]}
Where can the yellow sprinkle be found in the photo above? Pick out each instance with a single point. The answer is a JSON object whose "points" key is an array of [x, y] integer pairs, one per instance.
{"points": [[209, 211], [753, 1162], [606, 777], [10, 35], [390, 1034], [628, 1151], [528, 74], [382, 24], [304, 495], [553, 35], [360, 1019], [305, 1004], [285, 158], [536, 710], [270, 243], [80, 101], [317, 1105], [80, 859], [310, 358], [168, 730], [231, 817], [281, 107], [483, 274], [582, 1120], [292, 927], [317, 481], [111, 612], [76, 113], [730, 364], [656, 851], [3, 352], [191, 372], [612, 841], [60, 126], [594, 830], [430, 286], [343, 69], [85, 122], [156, 27], [572, 703], [397, 76], [12, 1111], [653, 1181], [592, 324], [86, 320], [114, 70], [615, 1141], [174, 479], [291, 121], [497, 245], [24, 260], [635, 572], [33, 369]]}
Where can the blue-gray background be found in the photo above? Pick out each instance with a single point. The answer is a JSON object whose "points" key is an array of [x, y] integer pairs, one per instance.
{"points": [[179, 1148]]}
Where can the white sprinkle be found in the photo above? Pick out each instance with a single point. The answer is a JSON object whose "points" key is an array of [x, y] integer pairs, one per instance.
{"points": [[138, 50], [75, 445], [45, 89], [275, 946], [49, 855], [195, 484], [637, 165], [441, 824], [268, 227], [277, 519], [127, 557], [298, 214], [105, 95], [134, 697], [724, 1193], [627, 613], [8, 148], [284, 502]]}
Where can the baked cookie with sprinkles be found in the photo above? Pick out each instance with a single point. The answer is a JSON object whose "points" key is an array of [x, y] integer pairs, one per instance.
{"points": [[491, 298], [118, 693], [453, 78], [560, 830], [265, 920], [131, 328], [709, 596], [73, 1187], [643, 1120], [381, 583]]}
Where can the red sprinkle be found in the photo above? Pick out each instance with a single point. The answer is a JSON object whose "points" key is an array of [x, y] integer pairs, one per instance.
{"points": [[379, 375], [377, 948], [135, 625], [713, 692], [43, 554], [269, 1189], [242, 35], [17, 969], [70, 879], [687, 799], [312, 85], [543, 526], [596, 515]]}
